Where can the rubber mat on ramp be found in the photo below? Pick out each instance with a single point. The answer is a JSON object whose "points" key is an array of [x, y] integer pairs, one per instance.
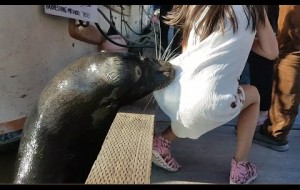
{"points": [[125, 157]]}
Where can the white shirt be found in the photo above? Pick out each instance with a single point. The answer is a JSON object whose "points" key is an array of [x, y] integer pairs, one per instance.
{"points": [[199, 98]]}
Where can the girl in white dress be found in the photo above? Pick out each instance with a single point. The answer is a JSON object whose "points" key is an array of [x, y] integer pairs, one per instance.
{"points": [[205, 93]]}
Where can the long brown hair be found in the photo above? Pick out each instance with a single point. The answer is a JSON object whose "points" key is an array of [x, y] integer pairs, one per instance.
{"points": [[185, 16]]}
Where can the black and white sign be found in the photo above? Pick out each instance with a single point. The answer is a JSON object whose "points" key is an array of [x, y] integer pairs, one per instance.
{"points": [[80, 12]]}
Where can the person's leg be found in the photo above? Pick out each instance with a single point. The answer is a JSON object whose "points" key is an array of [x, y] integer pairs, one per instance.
{"points": [[168, 134], [284, 108], [261, 76], [246, 123], [244, 79], [242, 171]]}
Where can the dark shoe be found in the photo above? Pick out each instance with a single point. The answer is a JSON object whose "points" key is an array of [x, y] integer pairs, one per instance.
{"points": [[10, 140], [264, 139]]}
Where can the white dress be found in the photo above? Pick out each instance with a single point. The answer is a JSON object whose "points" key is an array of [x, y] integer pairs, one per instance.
{"points": [[204, 93]]}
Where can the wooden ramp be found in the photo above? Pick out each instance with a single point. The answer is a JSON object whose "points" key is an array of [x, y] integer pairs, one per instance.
{"points": [[125, 157]]}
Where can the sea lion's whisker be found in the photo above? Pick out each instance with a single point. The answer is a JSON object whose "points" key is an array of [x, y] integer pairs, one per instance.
{"points": [[168, 52], [155, 40], [148, 103], [172, 54]]}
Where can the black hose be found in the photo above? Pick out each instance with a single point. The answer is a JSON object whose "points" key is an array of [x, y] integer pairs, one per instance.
{"points": [[110, 40]]}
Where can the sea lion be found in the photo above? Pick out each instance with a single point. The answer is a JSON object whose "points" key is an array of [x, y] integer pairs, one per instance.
{"points": [[64, 133]]}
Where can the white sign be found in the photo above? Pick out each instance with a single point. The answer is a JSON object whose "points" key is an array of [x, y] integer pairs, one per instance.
{"points": [[79, 12]]}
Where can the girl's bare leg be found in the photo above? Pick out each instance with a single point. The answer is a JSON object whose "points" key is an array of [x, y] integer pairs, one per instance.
{"points": [[247, 122], [169, 134]]}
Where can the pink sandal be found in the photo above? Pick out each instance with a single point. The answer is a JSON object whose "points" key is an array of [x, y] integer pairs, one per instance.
{"points": [[242, 172], [161, 155]]}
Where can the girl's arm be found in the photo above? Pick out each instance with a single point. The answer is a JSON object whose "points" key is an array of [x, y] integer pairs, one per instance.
{"points": [[265, 44], [89, 34]]}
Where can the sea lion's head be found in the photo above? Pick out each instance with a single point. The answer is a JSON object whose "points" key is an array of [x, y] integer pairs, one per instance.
{"points": [[137, 76]]}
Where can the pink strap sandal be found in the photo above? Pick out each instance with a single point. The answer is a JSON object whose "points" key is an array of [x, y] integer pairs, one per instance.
{"points": [[161, 155]]}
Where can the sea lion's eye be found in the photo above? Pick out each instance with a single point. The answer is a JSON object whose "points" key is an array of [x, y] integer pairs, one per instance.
{"points": [[138, 73]]}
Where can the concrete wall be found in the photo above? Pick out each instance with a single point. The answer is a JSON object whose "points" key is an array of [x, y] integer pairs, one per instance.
{"points": [[34, 47]]}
